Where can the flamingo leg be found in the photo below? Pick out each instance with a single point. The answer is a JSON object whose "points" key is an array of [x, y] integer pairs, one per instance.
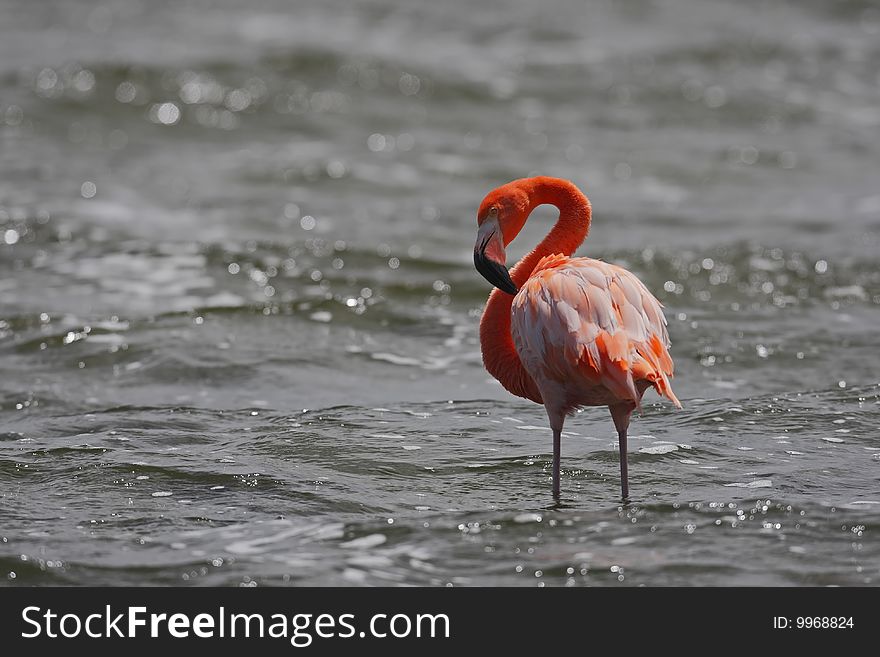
{"points": [[557, 419], [557, 452], [624, 467], [621, 413]]}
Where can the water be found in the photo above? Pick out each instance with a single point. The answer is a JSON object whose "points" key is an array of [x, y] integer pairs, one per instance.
{"points": [[238, 310]]}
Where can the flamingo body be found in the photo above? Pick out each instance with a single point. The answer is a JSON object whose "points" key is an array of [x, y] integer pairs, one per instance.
{"points": [[566, 332], [590, 334]]}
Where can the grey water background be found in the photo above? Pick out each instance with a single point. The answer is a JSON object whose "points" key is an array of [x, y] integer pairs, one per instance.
{"points": [[238, 310]]}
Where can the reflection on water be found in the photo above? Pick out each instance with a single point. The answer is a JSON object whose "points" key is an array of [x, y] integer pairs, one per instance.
{"points": [[238, 314]]}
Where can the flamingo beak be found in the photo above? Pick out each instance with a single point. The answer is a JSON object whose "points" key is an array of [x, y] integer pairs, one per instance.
{"points": [[489, 258]]}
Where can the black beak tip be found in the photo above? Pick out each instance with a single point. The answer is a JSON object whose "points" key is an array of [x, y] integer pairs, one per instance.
{"points": [[495, 273]]}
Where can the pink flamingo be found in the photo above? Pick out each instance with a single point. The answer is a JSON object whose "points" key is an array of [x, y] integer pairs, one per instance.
{"points": [[566, 332]]}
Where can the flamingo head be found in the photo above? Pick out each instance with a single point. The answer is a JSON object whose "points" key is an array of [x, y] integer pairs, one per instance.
{"points": [[501, 216]]}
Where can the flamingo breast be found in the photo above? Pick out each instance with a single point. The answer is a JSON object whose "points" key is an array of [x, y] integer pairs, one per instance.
{"points": [[590, 333]]}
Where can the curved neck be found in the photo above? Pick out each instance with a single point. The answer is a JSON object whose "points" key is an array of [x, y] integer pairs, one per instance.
{"points": [[567, 234], [570, 230]]}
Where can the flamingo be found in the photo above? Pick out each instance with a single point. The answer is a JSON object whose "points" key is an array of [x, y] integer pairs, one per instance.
{"points": [[566, 332]]}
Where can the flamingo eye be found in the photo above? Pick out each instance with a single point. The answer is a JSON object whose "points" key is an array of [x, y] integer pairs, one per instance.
{"points": [[493, 212]]}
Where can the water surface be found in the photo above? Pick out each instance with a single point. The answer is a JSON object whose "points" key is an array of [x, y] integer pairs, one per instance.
{"points": [[238, 310]]}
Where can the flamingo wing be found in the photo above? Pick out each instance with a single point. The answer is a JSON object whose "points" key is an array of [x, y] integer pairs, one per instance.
{"points": [[581, 323]]}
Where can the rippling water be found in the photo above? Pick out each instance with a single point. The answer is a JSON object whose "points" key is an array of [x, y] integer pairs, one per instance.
{"points": [[238, 313]]}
